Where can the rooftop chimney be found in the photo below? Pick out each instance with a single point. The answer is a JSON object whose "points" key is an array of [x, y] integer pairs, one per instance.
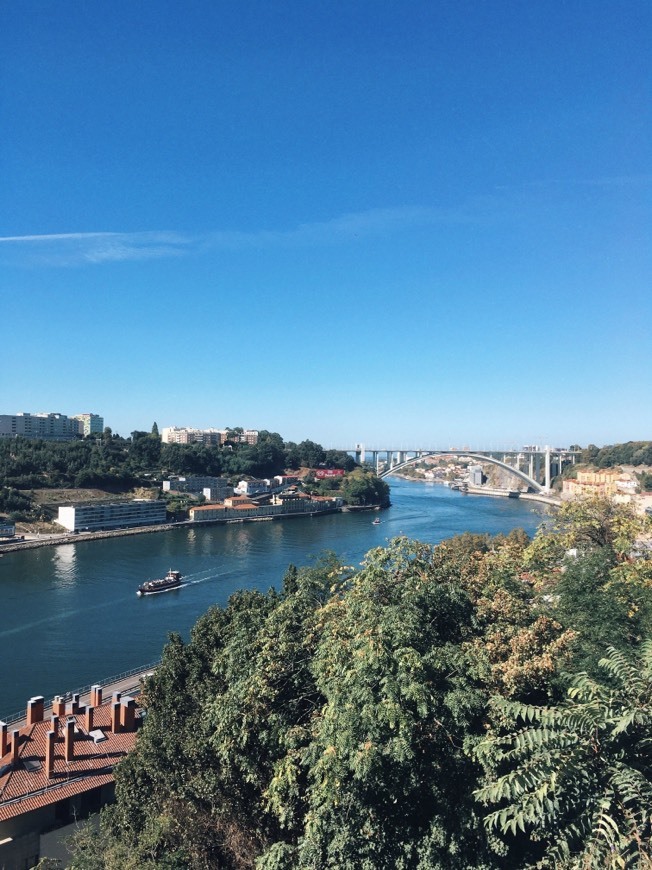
{"points": [[115, 716], [55, 725], [74, 704], [15, 746], [69, 739], [58, 706], [4, 740], [49, 753], [96, 696], [128, 714], [89, 719], [35, 710]]}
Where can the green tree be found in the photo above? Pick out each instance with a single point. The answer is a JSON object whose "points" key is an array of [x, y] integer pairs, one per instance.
{"points": [[362, 487], [310, 454], [602, 609], [596, 522], [145, 450], [332, 724], [339, 459], [389, 782], [577, 778]]}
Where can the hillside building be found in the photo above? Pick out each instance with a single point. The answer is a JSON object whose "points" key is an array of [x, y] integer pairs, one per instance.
{"points": [[101, 516], [474, 475], [49, 427], [214, 488], [253, 487], [606, 482], [91, 424], [285, 504], [186, 435]]}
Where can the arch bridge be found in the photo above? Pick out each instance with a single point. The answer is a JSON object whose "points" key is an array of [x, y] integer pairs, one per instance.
{"points": [[531, 465]]}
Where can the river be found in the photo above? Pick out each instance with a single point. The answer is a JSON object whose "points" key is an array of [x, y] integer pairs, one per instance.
{"points": [[69, 614]]}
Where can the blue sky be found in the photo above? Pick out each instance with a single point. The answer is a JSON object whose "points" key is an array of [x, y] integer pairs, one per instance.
{"points": [[423, 223]]}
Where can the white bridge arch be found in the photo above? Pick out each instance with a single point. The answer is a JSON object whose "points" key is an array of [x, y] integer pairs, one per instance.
{"points": [[480, 457]]}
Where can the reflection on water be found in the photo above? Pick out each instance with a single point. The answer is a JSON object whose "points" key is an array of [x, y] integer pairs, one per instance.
{"points": [[64, 560], [70, 614]]}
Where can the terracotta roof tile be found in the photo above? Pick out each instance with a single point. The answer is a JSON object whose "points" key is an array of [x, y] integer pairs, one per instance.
{"points": [[22, 790]]}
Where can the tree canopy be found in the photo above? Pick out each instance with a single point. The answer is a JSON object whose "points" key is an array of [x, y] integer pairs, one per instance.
{"points": [[423, 710], [118, 465]]}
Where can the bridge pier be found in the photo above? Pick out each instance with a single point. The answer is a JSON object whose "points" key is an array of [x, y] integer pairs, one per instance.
{"points": [[547, 477]]}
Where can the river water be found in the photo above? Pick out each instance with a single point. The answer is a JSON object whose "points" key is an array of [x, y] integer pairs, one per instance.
{"points": [[69, 615]]}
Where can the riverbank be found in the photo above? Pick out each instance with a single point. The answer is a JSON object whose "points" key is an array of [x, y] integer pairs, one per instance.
{"points": [[53, 540], [542, 498]]}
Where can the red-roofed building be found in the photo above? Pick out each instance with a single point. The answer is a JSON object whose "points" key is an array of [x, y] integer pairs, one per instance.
{"points": [[56, 770]]}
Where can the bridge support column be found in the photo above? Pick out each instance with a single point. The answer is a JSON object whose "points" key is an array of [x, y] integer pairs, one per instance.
{"points": [[547, 477], [531, 467], [359, 453]]}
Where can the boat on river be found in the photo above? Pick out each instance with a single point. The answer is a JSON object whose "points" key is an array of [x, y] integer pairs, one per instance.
{"points": [[376, 522], [171, 581]]}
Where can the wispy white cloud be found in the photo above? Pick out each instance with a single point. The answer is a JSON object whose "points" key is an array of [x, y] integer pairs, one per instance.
{"points": [[70, 249], [79, 248]]}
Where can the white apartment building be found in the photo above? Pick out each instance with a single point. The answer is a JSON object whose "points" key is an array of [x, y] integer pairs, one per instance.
{"points": [[48, 426], [120, 515], [252, 487], [186, 435], [474, 475], [212, 487], [91, 424]]}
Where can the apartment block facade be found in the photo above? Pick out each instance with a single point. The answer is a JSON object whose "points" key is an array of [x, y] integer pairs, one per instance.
{"points": [[121, 515], [606, 482], [186, 435], [197, 484], [49, 427], [91, 424]]}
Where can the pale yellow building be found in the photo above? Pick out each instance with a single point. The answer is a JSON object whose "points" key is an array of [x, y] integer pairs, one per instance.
{"points": [[606, 482]]}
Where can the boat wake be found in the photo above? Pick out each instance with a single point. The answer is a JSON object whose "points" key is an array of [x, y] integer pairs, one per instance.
{"points": [[189, 583], [204, 579]]}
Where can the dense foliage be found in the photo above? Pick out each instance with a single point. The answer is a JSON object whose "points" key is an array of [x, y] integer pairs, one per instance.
{"points": [[579, 775], [630, 453], [111, 461], [362, 487], [412, 713], [114, 464]]}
